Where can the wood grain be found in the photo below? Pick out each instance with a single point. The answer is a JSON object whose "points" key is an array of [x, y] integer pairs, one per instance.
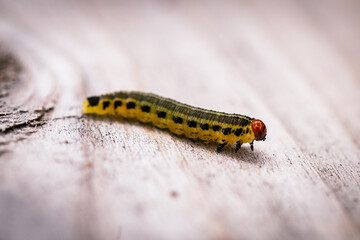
{"points": [[293, 64]]}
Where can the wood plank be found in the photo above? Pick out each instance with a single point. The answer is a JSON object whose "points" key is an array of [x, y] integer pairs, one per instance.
{"points": [[64, 175]]}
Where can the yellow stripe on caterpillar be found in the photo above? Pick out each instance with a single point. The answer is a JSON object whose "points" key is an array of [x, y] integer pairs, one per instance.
{"points": [[179, 118]]}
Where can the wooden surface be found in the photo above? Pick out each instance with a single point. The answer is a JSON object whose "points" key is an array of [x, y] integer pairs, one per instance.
{"points": [[293, 64]]}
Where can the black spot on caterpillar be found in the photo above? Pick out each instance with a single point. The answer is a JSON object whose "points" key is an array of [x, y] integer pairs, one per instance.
{"points": [[226, 131], [106, 104], [145, 108], [179, 118], [192, 124], [216, 128], [130, 105], [117, 103], [162, 114], [204, 126], [93, 101]]}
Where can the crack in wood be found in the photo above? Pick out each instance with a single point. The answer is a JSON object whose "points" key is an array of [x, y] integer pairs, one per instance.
{"points": [[35, 122], [67, 117]]}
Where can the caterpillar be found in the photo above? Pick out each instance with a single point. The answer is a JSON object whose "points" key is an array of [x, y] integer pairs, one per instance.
{"points": [[178, 118]]}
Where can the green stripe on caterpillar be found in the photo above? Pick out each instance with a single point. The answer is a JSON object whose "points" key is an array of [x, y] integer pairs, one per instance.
{"points": [[193, 122]]}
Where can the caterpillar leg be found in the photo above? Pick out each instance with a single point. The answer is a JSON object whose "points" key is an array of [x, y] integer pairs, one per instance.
{"points": [[238, 146], [252, 146], [221, 146]]}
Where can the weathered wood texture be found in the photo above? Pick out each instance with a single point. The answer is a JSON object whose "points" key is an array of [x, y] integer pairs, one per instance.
{"points": [[293, 64]]}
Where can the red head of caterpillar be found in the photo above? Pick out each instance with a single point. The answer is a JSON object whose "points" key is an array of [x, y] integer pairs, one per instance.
{"points": [[259, 129]]}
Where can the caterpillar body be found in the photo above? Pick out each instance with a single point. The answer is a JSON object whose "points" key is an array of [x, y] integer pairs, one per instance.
{"points": [[179, 118]]}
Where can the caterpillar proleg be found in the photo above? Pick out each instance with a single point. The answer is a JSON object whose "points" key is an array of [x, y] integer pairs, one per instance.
{"points": [[193, 122]]}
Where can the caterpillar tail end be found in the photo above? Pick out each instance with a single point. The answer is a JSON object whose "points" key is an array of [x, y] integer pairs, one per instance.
{"points": [[90, 105]]}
